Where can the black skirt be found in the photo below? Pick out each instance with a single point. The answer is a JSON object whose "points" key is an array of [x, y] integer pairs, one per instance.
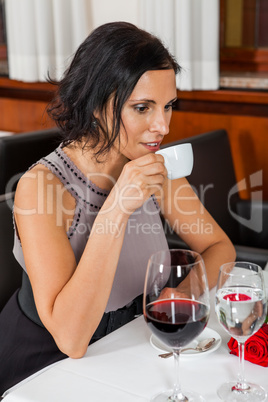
{"points": [[25, 347]]}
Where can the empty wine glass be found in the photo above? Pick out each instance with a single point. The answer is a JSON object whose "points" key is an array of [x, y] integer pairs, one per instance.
{"points": [[241, 310], [176, 307]]}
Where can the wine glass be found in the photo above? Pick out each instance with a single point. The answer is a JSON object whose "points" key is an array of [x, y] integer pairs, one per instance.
{"points": [[241, 310], [176, 307]]}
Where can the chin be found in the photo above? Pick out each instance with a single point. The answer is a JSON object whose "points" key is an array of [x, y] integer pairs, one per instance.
{"points": [[132, 156], [138, 153]]}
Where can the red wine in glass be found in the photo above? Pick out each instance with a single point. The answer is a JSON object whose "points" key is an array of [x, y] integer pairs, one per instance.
{"points": [[176, 307], [176, 322]]}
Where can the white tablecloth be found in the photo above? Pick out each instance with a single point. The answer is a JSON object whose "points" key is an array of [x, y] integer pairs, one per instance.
{"points": [[123, 366]]}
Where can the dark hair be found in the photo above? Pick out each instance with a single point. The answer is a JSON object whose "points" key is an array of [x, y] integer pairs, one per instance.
{"points": [[108, 63]]}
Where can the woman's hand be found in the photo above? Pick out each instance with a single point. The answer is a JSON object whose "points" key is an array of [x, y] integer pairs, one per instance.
{"points": [[256, 313], [173, 293], [189, 218], [139, 179]]}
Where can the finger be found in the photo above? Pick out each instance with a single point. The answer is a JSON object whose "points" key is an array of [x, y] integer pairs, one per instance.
{"points": [[149, 174], [153, 180], [258, 309], [154, 169], [148, 159], [247, 323]]}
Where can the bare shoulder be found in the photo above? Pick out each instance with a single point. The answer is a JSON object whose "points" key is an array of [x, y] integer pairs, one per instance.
{"points": [[40, 190], [34, 184]]}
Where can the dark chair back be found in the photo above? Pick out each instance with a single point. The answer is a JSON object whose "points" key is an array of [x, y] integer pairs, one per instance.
{"points": [[213, 177], [10, 270], [19, 151]]}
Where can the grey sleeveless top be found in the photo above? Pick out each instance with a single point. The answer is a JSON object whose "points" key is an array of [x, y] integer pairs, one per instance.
{"points": [[144, 233]]}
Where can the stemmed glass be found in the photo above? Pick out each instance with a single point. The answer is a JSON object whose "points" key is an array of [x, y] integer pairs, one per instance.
{"points": [[241, 310], [176, 307]]}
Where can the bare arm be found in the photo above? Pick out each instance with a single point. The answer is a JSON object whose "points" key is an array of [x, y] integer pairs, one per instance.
{"points": [[71, 298], [192, 222]]}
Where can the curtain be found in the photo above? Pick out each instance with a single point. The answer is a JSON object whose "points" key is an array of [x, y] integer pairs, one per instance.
{"points": [[42, 35], [190, 28]]}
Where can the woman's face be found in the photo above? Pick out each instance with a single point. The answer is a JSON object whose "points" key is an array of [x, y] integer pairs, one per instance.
{"points": [[147, 112]]}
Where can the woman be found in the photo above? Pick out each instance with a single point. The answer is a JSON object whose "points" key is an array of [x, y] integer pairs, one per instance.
{"points": [[87, 215]]}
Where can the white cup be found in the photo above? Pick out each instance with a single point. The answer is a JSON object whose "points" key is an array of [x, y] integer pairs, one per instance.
{"points": [[179, 160]]}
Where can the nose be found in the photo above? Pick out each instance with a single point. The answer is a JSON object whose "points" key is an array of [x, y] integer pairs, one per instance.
{"points": [[160, 123]]}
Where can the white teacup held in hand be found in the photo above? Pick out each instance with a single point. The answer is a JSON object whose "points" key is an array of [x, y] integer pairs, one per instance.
{"points": [[179, 160]]}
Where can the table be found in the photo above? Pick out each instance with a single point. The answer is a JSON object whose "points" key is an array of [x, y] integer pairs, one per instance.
{"points": [[124, 366]]}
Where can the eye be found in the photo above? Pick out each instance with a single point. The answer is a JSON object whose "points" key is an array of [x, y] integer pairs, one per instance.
{"points": [[168, 107], [141, 108], [171, 105]]}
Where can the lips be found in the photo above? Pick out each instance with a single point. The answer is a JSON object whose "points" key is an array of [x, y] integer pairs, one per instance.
{"points": [[152, 146]]}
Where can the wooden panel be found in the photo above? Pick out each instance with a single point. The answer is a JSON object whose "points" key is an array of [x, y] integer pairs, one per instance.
{"points": [[231, 97], [248, 139], [40, 91], [242, 113], [234, 27], [242, 59], [23, 105], [23, 115], [249, 20], [263, 18]]}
